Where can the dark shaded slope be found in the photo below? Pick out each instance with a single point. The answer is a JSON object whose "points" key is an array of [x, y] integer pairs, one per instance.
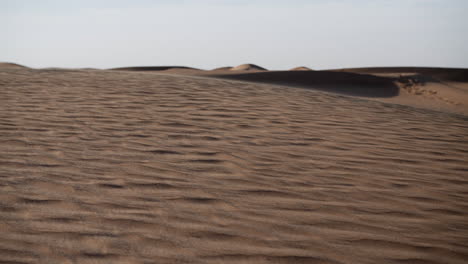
{"points": [[442, 74], [339, 82], [152, 68], [248, 67]]}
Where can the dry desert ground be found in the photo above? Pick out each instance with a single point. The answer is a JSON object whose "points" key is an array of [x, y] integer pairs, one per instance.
{"points": [[234, 165]]}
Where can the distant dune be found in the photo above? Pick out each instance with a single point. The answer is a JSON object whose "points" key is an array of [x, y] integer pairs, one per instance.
{"points": [[223, 68], [152, 68], [248, 67], [10, 65], [301, 68]]}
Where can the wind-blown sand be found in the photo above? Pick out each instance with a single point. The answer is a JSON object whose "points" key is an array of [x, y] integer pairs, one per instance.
{"points": [[142, 167]]}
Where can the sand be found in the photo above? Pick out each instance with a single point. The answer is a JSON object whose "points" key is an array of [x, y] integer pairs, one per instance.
{"points": [[427, 88], [247, 67], [301, 68], [440, 89], [147, 167]]}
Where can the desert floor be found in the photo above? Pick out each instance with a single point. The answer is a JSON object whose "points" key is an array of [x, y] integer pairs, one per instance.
{"points": [[102, 166]]}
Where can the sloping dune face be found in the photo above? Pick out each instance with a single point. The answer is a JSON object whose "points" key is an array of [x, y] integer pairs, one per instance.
{"points": [[130, 167], [152, 68], [301, 68], [339, 82], [437, 74], [226, 68], [8, 65], [247, 67]]}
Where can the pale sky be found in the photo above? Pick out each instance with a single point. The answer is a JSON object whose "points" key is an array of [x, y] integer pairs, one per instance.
{"points": [[206, 34]]}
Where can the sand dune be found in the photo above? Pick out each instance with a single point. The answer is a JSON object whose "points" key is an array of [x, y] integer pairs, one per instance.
{"points": [[138, 167], [429, 88], [301, 68], [442, 89], [248, 67], [439, 89], [5, 65], [152, 68], [431, 74], [339, 82], [223, 68], [164, 69]]}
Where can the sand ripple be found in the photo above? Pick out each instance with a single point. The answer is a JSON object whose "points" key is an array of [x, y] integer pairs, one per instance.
{"points": [[124, 167]]}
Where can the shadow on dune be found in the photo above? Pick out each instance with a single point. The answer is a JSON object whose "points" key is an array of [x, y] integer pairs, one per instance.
{"points": [[152, 68], [337, 82], [431, 74]]}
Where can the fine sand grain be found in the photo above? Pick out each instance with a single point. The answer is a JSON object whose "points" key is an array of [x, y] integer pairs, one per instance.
{"points": [[142, 167]]}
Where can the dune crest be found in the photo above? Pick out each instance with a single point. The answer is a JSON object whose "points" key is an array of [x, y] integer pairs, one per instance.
{"points": [[248, 67], [153, 68], [5, 65], [226, 68], [301, 68]]}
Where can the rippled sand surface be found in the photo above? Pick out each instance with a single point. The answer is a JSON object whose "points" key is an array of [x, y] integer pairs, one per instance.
{"points": [[130, 167]]}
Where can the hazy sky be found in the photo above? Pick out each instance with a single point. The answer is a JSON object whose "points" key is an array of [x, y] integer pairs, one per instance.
{"points": [[206, 34]]}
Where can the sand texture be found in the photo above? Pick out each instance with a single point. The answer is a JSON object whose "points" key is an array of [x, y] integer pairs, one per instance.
{"points": [[143, 167], [440, 89], [431, 88]]}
